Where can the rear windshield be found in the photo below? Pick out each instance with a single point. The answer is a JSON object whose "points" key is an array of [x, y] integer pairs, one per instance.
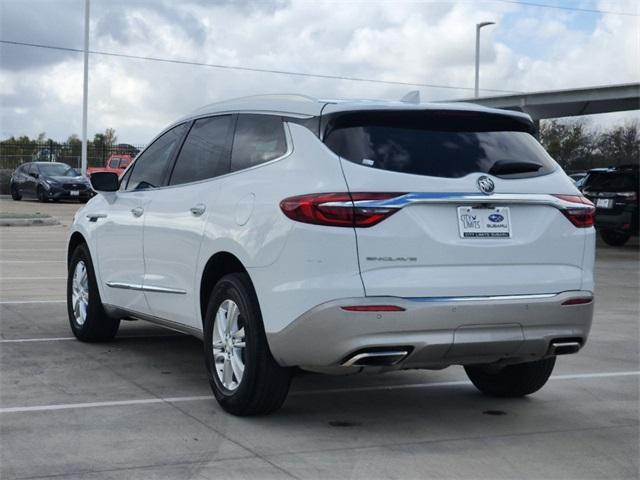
{"points": [[612, 182], [439, 143]]}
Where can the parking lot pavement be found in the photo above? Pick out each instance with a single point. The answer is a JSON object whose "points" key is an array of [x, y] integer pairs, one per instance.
{"points": [[140, 406]]}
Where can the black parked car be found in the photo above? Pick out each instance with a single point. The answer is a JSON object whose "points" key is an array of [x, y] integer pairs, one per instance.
{"points": [[614, 192], [49, 181]]}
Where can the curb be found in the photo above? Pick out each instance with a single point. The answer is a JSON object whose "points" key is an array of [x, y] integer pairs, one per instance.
{"points": [[28, 222]]}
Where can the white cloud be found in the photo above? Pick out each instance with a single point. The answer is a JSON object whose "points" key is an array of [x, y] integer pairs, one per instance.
{"points": [[530, 49]]}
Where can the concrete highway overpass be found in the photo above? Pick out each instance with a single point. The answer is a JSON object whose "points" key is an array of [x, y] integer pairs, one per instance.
{"points": [[568, 103]]}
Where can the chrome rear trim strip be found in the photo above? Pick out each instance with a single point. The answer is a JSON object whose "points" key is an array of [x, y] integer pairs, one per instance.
{"points": [[465, 198], [484, 298], [145, 288]]}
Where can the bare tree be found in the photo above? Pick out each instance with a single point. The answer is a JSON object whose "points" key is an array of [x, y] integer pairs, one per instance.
{"points": [[110, 137]]}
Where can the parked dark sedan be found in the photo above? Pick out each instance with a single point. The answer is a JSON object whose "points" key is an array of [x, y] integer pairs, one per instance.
{"points": [[614, 192], [49, 181]]}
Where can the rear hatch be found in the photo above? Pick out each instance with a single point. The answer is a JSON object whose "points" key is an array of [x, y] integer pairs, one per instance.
{"points": [[612, 191], [469, 204]]}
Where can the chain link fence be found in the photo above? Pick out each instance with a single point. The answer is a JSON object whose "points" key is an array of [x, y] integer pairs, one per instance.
{"points": [[14, 154]]}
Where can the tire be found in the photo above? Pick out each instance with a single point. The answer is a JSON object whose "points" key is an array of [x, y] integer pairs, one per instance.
{"points": [[263, 384], [40, 195], [614, 238], [96, 325], [15, 194], [512, 380]]}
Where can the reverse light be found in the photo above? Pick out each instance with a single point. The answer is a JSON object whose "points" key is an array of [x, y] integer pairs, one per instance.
{"points": [[583, 214], [338, 209], [373, 308]]}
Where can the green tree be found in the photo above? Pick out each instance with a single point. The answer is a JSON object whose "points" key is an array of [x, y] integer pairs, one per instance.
{"points": [[621, 145], [570, 144]]}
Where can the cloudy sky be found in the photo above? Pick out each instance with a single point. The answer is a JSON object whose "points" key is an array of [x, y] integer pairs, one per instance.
{"points": [[532, 48]]}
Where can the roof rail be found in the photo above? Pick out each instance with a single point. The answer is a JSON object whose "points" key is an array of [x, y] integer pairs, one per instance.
{"points": [[272, 96]]}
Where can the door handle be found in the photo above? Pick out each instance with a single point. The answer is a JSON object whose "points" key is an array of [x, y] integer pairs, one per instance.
{"points": [[138, 211], [198, 209]]}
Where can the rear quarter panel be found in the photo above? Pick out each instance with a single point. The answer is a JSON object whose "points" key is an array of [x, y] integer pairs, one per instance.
{"points": [[294, 267]]}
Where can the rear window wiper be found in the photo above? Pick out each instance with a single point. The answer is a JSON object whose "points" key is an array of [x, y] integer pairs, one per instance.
{"points": [[506, 167]]}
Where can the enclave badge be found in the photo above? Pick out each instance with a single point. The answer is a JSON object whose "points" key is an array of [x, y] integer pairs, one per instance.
{"points": [[485, 184]]}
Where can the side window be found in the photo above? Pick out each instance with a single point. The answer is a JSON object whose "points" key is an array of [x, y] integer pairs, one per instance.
{"points": [[150, 168], [33, 169], [205, 153], [258, 139]]}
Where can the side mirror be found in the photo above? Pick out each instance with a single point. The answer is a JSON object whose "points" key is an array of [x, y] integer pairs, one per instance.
{"points": [[33, 174], [105, 182]]}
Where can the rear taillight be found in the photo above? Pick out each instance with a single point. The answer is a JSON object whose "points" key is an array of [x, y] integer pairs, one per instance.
{"points": [[339, 209], [631, 196], [583, 214]]}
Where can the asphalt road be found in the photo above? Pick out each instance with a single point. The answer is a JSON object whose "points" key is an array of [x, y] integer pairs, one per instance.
{"points": [[140, 406]]}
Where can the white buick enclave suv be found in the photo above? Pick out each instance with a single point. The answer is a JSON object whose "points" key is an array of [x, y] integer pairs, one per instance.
{"points": [[337, 236]]}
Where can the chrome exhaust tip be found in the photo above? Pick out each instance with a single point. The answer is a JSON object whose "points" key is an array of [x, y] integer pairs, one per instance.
{"points": [[376, 358], [562, 347]]}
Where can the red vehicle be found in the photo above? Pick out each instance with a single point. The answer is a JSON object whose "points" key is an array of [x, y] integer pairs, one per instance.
{"points": [[116, 163]]}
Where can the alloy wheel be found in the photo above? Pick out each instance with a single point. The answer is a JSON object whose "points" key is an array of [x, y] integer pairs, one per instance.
{"points": [[229, 345], [80, 293]]}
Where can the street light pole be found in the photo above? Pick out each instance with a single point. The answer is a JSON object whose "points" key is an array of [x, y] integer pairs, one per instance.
{"points": [[478, 27], [85, 88]]}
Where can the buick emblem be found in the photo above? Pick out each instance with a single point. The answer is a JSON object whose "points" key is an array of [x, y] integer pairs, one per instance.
{"points": [[485, 184]]}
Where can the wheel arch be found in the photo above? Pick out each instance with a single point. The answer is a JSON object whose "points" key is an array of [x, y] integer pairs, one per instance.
{"points": [[76, 239], [218, 265]]}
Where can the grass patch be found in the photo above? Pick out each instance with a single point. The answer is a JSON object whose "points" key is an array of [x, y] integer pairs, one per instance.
{"points": [[25, 216]]}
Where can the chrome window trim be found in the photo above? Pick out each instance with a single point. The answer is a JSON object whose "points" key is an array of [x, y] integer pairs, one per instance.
{"points": [[289, 151], [145, 288]]}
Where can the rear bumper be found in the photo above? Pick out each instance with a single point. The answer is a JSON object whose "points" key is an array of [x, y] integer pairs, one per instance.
{"points": [[623, 221], [436, 331], [63, 194]]}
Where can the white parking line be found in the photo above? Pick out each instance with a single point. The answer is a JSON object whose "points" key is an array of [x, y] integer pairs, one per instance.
{"points": [[29, 340], [33, 261], [23, 302], [33, 249], [31, 278], [146, 401], [64, 339], [462, 382]]}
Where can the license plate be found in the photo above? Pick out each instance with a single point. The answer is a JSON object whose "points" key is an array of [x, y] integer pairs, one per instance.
{"points": [[604, 203], [484, 222], [75, 193]]}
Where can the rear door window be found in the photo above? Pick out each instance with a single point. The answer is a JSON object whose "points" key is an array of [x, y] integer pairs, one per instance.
{"points": [[151, 168], [439, 144], [205, 153], [258, 139]]}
